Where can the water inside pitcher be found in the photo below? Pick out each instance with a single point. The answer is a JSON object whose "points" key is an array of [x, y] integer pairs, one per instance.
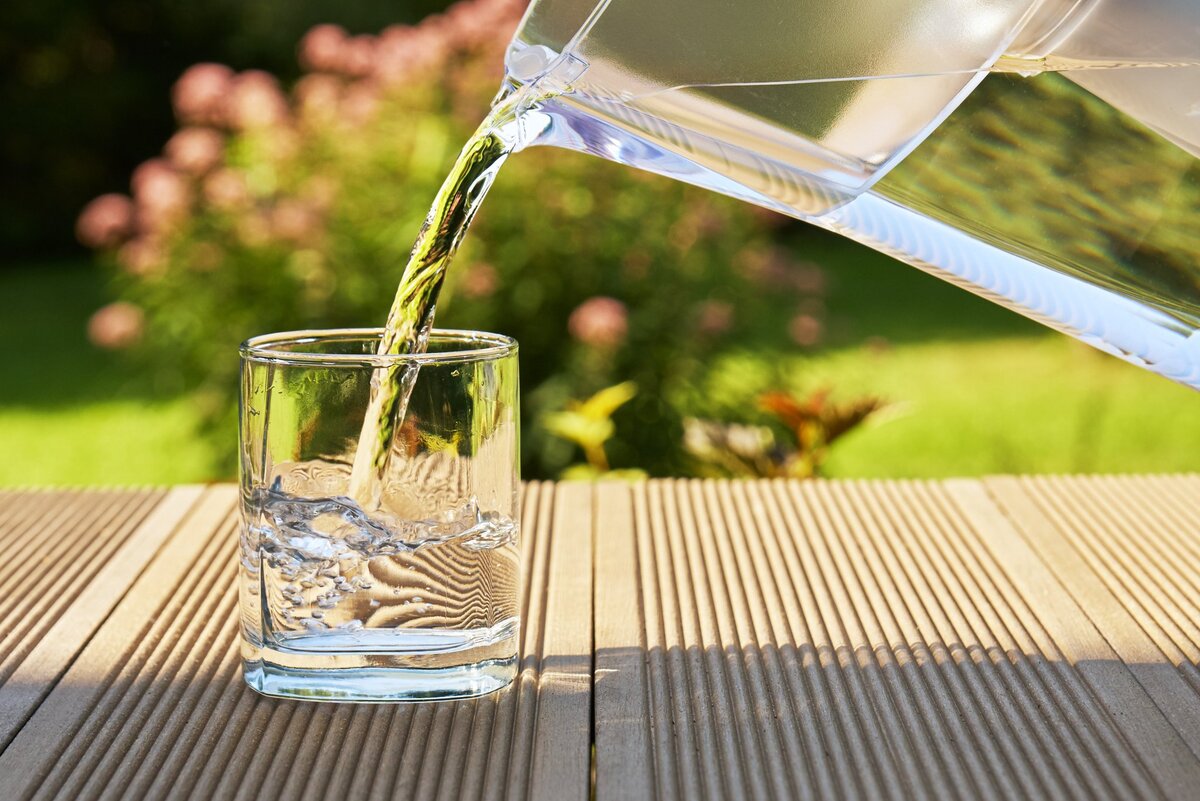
{"points": [[1045, 155]]}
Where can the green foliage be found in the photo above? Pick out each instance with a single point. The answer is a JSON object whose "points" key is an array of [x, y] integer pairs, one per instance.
{"points": [[958, 410], [811, 425], [1047, 170], [304, 216], [103, 68], [278, 210]]}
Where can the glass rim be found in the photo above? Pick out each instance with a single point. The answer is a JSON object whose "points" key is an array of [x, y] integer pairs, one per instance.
{"points": [[272, 348]]}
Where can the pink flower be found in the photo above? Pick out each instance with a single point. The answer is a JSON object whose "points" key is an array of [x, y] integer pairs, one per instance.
{"points": [[470, 23], [321, 48], [805, 330], [359, 103], [160, 194], [480, 280], [426, 48], [115, 326], [295, 221], [195, 150], [358, 56], [226, 189], [280, 143], [151, 177], [106, 221], [437, 28], [778, 269], [393, 53], [199, 94], [397, 36], [599, 322], [774, 267], [255, 101], [715, 317], [142, 257], [318, 95]]}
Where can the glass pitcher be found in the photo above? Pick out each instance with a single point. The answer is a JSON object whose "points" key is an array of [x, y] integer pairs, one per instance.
{"points": [[1045, 155]]}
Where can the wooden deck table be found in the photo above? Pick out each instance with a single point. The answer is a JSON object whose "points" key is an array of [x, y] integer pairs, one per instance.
{"points": [[1008, 638]]}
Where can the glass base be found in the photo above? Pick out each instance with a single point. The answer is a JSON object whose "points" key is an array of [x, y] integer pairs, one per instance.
{"points": [[380, 685]]}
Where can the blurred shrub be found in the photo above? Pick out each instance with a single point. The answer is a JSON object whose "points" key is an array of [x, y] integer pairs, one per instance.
{"points": [[274, 209], [1054, 173], [83, 85]]}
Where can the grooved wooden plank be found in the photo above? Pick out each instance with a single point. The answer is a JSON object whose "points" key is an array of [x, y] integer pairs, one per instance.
{"points": [[60, 537], [1020, 638], [1078, 536], [31, 756], [155, 706], [85, 554], [855, 640], [562, 742], [1064, 719], [57, 549], [505, 769], [127, 718], [624, 762], [1143, 559]]}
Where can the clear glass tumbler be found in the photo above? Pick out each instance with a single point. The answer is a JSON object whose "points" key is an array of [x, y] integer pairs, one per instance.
{"points": [[412, 593]]}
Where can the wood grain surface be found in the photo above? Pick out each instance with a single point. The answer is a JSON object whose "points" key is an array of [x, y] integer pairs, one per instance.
{"points": [[1005, 638]]}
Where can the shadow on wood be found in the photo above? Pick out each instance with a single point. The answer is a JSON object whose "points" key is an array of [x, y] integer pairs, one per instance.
{"points": [[908, 721]]}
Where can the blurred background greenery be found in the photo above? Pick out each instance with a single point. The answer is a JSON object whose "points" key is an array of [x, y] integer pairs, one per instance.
{"points": [[284, 190]]}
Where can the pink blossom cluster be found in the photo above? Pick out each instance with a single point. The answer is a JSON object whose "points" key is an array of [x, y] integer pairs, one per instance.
{"points": [[599, 322], [117, 325], [401, 51], [210, 100], [214, 95], [348, 77]]}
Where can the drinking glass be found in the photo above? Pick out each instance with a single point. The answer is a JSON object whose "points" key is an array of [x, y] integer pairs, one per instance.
{"points": [[409, 589]]}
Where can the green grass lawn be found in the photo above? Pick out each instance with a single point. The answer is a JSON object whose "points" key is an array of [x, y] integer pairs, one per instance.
{"points": [[1040, 404], [973, 389], [72, 414], [1014, 406]]}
